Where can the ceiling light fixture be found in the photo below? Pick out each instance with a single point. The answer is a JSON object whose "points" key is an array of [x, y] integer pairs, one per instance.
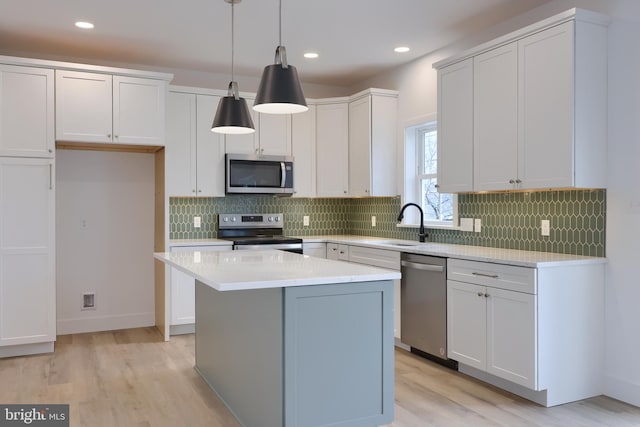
{"points": [[84, 25], [279, 91], [401, 49], [311, 55], [232, 115]]}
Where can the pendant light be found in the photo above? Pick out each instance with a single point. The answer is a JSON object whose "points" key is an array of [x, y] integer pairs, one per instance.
{"points": [[279, 91], [232, 116]]}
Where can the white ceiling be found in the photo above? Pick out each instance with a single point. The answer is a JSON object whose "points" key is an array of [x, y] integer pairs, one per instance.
{"points": [[355, 38]]}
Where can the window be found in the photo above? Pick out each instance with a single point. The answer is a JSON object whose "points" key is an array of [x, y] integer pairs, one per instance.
{"points": [[421, 168]]}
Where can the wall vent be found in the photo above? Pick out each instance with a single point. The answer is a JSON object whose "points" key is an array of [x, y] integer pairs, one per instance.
{"points": [[89, 301]]}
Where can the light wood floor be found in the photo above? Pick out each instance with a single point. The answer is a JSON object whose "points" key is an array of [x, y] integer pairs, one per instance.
{"points": [[133, 378]]}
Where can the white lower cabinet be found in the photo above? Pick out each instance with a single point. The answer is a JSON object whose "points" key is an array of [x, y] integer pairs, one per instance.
{"points": [[338, 251], [27, 256], [536, 332], [318, 250], [183, 312]]}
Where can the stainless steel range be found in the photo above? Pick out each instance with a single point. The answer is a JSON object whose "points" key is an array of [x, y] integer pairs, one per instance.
{"points": [[257, 232]]}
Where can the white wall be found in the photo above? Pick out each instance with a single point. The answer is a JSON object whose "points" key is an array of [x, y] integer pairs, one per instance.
{"points": [[104, 239], [417, 85]]}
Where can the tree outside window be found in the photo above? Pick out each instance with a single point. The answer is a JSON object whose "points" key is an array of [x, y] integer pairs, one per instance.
{"points": [[436, 206]]}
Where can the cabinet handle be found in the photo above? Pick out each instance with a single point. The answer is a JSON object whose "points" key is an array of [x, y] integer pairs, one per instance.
{"points": [[109, 135], [341, 252], [437, 186], [199, 191], [518, 181], [492, 276], [480, 294], [193, 191], [50, 150], [511, 181], [487, 295]]}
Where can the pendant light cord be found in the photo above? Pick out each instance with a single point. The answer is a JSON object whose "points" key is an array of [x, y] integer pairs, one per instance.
{"points": [[280, 23], [232, 40]]}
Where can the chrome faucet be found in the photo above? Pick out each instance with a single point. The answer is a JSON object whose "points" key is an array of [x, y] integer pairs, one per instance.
{"points": [[422, 234]]}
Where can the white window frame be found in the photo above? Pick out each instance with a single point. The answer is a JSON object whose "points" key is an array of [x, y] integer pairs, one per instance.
{"points": [[412, 175]]}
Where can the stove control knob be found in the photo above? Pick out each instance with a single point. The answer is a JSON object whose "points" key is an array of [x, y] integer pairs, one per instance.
{"points": [[225, 219], [233, 219], [277, 219], [270, 219]]}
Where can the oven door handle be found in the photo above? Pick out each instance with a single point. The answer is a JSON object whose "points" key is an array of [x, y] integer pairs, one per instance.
{"points": [[283, 175], [267, 246]]}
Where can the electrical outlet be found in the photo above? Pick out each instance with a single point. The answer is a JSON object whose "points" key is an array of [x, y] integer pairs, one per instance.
{"points": [[373, 220], [197, 257], [305, 220], [545, 227], [197, 222], [466, 224], [477, 226]]}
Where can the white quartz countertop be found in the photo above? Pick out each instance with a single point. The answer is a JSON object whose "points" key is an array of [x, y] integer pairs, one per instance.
{"points": [[472, 253], [240, 270], [201, 242]]}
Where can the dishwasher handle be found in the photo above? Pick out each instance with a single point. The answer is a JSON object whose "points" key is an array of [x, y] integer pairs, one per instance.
{"points": [[424, 267]]}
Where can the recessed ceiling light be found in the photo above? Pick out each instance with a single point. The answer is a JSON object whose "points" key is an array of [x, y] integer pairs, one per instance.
{"points": [[311, 55], [84, 25], [401, 49]]}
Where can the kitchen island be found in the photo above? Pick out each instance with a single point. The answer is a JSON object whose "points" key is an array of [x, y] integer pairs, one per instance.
{"points": [[287, 339]]}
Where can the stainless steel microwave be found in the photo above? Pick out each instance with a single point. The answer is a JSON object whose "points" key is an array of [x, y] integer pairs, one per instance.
{"points": [[259, 174]]}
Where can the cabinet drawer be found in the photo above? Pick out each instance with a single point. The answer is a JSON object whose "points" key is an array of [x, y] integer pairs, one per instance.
{"points": [[509, 277], [375, 257]]}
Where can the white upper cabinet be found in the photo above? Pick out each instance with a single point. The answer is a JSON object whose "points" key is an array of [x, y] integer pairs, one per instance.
{"points": [[26, 111], [303, 136], [275, 134], [194, 156], [372, 144], [332, 149], [101, 108], [495, 103], [539, 108], [455, 127]]}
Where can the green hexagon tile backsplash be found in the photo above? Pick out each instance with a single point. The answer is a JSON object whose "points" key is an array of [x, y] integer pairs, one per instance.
{"points": [[509, 220]]}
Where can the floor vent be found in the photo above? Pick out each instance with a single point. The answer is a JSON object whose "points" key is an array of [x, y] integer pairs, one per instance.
{"points": [[89, 301]]}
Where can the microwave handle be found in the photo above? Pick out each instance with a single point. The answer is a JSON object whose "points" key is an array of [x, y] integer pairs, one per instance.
{"points": [[283, 174]]}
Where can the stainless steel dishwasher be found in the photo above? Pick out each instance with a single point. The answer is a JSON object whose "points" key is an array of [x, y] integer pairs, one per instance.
{"points": [[423, 302]]}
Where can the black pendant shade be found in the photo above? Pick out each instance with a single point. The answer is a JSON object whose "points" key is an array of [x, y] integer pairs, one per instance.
{"points": [[232, 116], [280, 91]]}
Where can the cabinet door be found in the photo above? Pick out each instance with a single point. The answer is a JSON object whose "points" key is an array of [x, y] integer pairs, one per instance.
{"points": [[360, 147], [332, 251], [180, 149], [26, 111], [495, 98], [138, 111], [27, 252], [318, 250], [545, 108], [512, 336], [384, 128], [466, 324], [183, 309], [210, 149], [332, 149], [275, 134], [303, 136], [455, 127], [245, 143], [83, 107]]}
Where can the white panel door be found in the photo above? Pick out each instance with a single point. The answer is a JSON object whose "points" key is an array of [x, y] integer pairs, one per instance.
{"points": [[332, 149], [512, 336], [360, 147], [455, 127], [83, 106], [275, 134], [27, 251], [180, 148], [546, 108], [303, 139], [210, 149], [26, 111], [466, 324], [495, 97], [138, 111]]}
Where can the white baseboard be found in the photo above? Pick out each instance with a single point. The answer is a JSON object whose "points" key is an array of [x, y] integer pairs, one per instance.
{"points": [[622, 389], [105, 323], [182, 329]]}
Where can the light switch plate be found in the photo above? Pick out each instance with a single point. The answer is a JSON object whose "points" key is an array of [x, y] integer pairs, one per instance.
{"points": [[305, 220], [197, 222], [466, 224], [477, 226]]}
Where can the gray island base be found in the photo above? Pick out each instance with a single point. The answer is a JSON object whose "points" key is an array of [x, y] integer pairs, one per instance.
{"points": [[299, 356], [288, 340]]}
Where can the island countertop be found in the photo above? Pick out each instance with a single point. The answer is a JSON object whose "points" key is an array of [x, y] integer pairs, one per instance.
{"points": [[242, 270]]}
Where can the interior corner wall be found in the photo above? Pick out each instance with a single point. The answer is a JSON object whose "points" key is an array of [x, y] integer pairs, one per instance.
{"points": [[104, 240]]}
